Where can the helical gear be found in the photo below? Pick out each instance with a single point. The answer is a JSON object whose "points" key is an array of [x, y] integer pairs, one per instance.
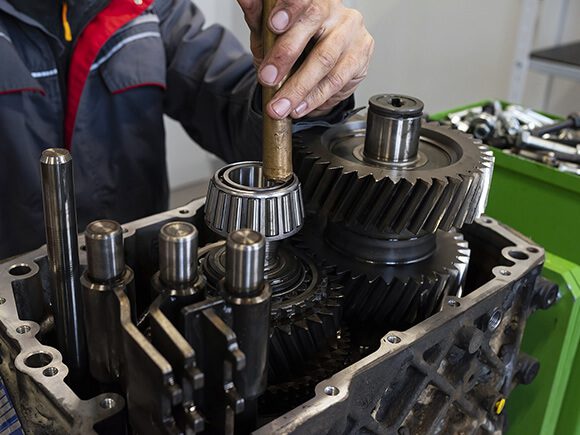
{"points": [[391, 296], [445, 188], [304, 317]]}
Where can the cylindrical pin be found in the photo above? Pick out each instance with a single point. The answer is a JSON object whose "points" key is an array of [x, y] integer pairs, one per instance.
{"points": [[105, 257], [62, 245], [178, 243], [244, 262], [393, 128], [277, 134]]}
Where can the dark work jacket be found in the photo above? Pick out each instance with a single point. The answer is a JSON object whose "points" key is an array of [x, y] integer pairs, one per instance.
{"points": [[135, 61]]}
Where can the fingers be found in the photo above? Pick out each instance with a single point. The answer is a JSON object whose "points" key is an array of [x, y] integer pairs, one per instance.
{"points": [[330, 74], [252, 14], [318, 65], [286, 13], [290, 45]]}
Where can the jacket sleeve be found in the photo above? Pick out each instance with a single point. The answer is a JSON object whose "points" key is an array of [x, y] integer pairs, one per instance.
{"points": [[211, 83]]}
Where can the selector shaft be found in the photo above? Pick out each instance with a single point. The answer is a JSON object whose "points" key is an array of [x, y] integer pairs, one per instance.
{"points": [[60, 220], [245, 262], [178, 242], [104, 243]]}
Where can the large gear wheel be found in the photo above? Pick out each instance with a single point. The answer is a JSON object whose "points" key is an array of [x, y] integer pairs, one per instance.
{"points": [[391, 296], [444, 186], [306, 308]]}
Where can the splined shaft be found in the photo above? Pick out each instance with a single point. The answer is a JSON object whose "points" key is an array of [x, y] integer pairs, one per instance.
{"points": [[60, 220]]}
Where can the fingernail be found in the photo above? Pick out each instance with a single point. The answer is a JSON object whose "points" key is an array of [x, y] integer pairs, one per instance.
{"points": [[269, 74], [282, 107], [280, 20], [301, 108]]}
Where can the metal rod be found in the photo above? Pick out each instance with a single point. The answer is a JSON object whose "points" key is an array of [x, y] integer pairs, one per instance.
{"points": [[62, 245], [178, 243], [106, 272], [277, 134], [244, 262], [393, 128], [105, 257]]}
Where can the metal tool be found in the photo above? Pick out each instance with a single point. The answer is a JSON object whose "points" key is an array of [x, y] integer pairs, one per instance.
{"points": [[564, 152], [573, 122], [106, 274], [277, 134], [60, 220]]}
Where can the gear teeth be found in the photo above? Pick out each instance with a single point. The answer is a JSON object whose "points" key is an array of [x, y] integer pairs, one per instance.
{"points": [[392, 201], [406, 297]]}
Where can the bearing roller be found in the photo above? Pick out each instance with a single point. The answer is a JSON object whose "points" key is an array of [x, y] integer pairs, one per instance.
{"points": [[305, 312]]}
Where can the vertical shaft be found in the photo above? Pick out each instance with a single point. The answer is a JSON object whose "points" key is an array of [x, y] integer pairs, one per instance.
{"points": [[245, 262], [178, 243], [104, 242], [105, 273], [277, 134], [393, 128], [62, 246], [249, 297]]}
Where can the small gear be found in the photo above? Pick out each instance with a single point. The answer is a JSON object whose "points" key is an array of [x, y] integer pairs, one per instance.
{"points": [[444, 187], [391, 296], [306, 309]]}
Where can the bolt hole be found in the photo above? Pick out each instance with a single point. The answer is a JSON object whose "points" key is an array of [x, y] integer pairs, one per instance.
{"points": [[494, 320], [393, 339], [108, 403], [23, 329], [125, 230], [83, 248], [2, 301], [505, 272], [50, 372], [19, 269], [38, 359], [532, 250], [453, 303], [183, 211], [487, 221], [518, 255], [331, 390]]}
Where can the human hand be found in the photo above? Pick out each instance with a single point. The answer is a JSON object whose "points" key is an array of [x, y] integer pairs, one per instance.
{"points": [[336, 64]]}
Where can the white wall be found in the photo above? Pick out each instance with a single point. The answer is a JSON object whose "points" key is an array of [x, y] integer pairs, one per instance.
{"points": [[446, 52]]}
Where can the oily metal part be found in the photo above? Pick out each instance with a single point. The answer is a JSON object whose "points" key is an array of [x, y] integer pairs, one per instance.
{"points": [[398, 295], [417, 381], [446, 186], [306, 310], [239, 196], [277, 134]]}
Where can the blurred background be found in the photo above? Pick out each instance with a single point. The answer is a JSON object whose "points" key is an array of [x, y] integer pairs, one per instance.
{"points": [[446, 52]]}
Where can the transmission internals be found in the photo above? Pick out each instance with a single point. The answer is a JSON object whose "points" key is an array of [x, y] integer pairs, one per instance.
{"points": [[366, 294]]}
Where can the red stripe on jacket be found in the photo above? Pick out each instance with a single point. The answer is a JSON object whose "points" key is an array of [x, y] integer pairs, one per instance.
{"points": [[96, 34]]}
